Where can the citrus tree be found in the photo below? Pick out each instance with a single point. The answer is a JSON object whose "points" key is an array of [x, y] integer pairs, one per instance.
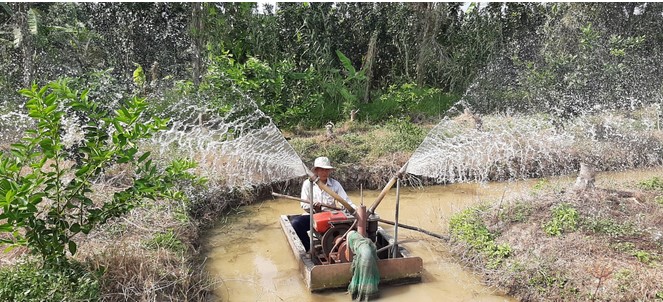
{"points": [[46, 180]]}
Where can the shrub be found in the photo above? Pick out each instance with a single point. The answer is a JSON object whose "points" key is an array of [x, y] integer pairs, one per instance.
{"points": [[47, 179], [28, 282], [406, 135], [565, 219], [468, 227], [654, 183]]}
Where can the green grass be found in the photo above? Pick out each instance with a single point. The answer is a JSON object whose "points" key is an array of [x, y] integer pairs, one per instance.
{"points": [[609, 227], [167, 240], [654, 183]]}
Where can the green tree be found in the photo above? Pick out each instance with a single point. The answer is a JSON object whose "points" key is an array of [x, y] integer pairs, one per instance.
{"points": [[47, 179]]}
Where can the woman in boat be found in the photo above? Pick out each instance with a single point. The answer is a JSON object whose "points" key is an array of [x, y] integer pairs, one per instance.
{"points": [[322, 168]]}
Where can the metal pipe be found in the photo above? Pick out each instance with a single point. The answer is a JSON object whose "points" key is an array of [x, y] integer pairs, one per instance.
{"points": [[398, 198], [310, 225], [362, 218]]}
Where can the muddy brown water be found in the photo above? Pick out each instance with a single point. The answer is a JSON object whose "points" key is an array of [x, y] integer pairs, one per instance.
{"points": [[251, 258]]}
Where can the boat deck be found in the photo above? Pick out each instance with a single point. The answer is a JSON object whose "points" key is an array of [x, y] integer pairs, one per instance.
{"points": [[403, 269]]}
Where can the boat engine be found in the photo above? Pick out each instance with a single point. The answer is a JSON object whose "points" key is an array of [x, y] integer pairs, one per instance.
{"points": [[330, 228]]}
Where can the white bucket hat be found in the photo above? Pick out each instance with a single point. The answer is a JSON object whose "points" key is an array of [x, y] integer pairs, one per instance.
{"points": [[322, 162]]}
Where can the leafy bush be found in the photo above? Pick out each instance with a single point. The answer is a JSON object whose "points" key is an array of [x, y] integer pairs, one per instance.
{"points": [[565, 219], [654, 183], [468, 227], [285, 94], [609, 227], [47, 178], [643, 256], [407, 136], [408, 99], [28, 282], [380, 110]]}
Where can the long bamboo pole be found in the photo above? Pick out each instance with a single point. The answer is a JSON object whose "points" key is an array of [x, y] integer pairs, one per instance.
{"points": [[386, 189], [405, 226], [301, 200], [398, 199], [331, 193], [310, 220]]}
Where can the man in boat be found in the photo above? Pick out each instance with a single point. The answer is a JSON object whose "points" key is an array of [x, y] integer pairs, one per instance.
{"points": [[322, 168]]}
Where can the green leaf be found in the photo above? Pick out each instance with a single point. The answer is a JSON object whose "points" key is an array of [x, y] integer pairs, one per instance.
{"points": [[47, 147], [49, 100], [118, 126], [139, 75], [33, 22], [144, 156], [9, 196], [6, 227], [72, 247], [347, 64], [50, 108], [36, 198], [82, 170], [75, 228]]}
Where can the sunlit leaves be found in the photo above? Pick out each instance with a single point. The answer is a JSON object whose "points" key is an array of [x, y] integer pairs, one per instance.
{"points": [[49, 201]]}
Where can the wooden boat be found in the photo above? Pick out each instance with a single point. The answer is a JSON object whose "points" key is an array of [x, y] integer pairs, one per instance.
{"points": [[402, 269]]}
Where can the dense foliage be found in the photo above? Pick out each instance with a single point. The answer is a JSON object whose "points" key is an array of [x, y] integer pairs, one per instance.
{"points": [[311, 63], [27, 282], [47, 180], [305, 65]]}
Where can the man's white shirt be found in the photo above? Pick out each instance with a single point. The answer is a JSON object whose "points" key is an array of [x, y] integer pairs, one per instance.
{"points": [[322, 196]]}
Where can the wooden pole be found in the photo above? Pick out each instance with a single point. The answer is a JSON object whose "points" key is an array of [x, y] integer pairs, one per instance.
{"points": [[310, 219], [386, 189], [405, 226], [301, 200], [331, 193], [398, 197]]}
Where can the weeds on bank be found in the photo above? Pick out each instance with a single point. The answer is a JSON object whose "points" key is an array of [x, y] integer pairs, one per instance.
{"points": [[599, 245], [468, 227], [565, 219], [167, 240], [28, 281], [654, 183], [357, 142]]}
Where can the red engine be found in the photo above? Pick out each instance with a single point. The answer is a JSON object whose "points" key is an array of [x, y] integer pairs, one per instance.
{"points": [[325, 220], [331, 226]]}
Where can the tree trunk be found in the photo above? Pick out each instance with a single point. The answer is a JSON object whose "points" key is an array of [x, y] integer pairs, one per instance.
{"points": [[425, 44], [197, 40], [586, 178], [27, 44], [368, 64]]}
